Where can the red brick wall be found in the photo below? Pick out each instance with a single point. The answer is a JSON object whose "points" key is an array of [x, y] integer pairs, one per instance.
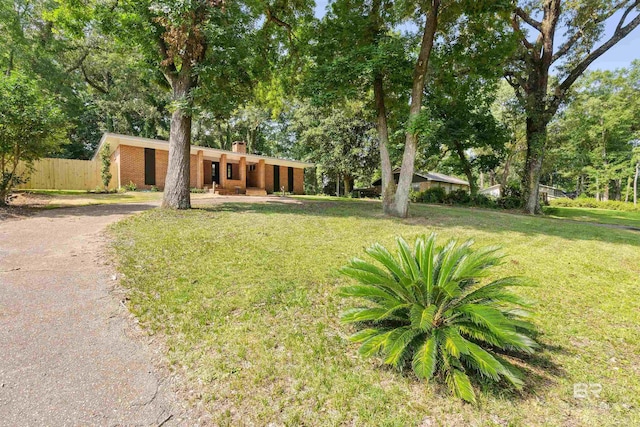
{"points": [[298, 181], [193, 171], [132, 167], [268, 178], [284, 178], [162, 161], [208, 179]]}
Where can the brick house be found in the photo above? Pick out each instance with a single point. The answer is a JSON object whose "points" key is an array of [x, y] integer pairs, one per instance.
{"points": [[144, 162]]}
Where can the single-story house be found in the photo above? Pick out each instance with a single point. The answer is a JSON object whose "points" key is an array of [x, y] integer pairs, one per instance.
{"points": [[424, 180], [144, 162], [546, 192]]}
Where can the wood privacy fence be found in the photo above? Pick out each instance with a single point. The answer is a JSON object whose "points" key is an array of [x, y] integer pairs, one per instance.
{"points": [[64, 174]]}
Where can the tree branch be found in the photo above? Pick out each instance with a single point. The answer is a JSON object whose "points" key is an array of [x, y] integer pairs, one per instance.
{"points": [[273, 18], [528, 19], [78, 63], [91, 83], [619, 34], [567, 45], [516, 27], [517, 86]]}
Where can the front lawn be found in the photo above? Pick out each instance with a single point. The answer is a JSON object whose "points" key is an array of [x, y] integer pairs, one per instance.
{"points": [[603, 216], [245, 297]]}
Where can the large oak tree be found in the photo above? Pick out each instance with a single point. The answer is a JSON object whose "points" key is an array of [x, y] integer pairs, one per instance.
{"points": [[538, 25]]}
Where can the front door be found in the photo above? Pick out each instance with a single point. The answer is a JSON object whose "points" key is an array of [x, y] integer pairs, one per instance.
{"points": [[215, 172]]}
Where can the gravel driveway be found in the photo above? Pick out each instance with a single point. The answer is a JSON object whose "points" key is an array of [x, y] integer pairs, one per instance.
{"points": [[70, 354]]}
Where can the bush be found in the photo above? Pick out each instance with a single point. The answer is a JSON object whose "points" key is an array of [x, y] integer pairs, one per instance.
{"points": [[483, 201], [511, 197], [198, 190], [458, 197], [428, 307], [154, 189], [131, 186], [430, 195], [586, 202]]}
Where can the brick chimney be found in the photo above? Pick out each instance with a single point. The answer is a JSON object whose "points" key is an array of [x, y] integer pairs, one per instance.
{"points": [[239, 147]]}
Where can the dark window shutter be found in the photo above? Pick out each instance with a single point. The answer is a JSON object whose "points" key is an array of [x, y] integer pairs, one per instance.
{"points": [[149, 166], [276, 178], [290, 180]]}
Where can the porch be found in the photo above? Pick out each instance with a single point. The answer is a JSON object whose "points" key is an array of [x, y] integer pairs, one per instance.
{"points": [[227, 176]]}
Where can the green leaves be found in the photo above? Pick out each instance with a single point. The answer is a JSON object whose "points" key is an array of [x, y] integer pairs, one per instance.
{"points": [[426, 358], [428, 305]]}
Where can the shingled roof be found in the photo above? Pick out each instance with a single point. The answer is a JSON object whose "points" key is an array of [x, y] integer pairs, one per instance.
{"points": [[427, 176]]}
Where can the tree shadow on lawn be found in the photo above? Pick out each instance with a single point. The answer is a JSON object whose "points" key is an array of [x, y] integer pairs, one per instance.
{"points": [[486, 220]]}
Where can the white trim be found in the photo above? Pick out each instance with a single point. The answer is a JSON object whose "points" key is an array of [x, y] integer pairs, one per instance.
{"points": [[116, 140]]}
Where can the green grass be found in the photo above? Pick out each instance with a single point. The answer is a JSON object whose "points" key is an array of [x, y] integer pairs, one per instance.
{"points": [[602, 216], [245, 298]]}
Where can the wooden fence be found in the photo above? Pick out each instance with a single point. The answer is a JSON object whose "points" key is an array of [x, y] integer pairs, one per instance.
{"points": [[65, 174]]}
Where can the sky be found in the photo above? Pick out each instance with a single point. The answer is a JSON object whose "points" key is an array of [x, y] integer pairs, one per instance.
{"points": [[619, 56]]}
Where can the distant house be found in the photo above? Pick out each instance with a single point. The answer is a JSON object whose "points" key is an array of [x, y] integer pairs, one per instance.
{"points": [[425, 180], [546, 192], [144, 162], [493, 191]]}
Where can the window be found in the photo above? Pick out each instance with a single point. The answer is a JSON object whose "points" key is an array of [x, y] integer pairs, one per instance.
{"points": [[276, 178], [149, 166], [415, 186], [290, 171], [229, 171], [214, 172]]}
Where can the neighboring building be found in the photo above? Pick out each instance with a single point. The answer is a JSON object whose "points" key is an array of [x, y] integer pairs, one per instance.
{"points": [[144, 162], [493, 191], [423, 181], [546, 192]]}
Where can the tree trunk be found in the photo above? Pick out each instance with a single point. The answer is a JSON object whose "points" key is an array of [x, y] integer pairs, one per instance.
{"points": [[388, 184], [346, 180], [536, 140], [400, 204], [176, 189], [628, 190], [635, 185], [466, 167]]}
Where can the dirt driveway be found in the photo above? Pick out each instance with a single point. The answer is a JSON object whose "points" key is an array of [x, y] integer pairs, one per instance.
{"points": [[70, 353]]}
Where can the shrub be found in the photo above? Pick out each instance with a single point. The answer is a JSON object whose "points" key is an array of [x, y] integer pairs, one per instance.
{"points": [[483, 201], [586, 202], [427, 306], [105, 170], [458, 197], [198, 190], [153, 189], [430, 195], [511, 197], [131, 186]]}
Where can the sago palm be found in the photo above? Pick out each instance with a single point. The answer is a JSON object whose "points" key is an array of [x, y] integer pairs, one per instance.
{"points": [[427, 305]]}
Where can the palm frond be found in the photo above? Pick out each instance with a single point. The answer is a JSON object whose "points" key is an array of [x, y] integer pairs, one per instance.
{"points": [[426, 358], [460, 385], [397, 344], [422, 318]]}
